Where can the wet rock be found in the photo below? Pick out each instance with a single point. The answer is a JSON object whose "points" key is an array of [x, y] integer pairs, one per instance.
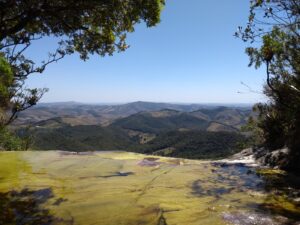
{"points": [[244, 153], [149, 162], [124, 174], [86, 153], [117, 174], [199, 191], [249, 172], [41, 195], [237, 174], [245, 218], [228, 165], [219, 191], [278, 159], [66, 153], [259, 152]]}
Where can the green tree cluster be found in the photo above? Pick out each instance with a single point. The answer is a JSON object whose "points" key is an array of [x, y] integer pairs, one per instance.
{"points": [[8, 140], [6, 81], [85, 26], [274, 30]]}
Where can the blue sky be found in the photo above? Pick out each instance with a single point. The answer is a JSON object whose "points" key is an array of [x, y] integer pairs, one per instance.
{"points": [[190, 57]]}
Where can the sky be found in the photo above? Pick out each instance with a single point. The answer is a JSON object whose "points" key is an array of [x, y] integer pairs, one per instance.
{"points": [[190, 57]]}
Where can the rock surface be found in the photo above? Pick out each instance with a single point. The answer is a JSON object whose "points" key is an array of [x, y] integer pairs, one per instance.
{"points": [[58, 188], [277, 159], [246, 218]]}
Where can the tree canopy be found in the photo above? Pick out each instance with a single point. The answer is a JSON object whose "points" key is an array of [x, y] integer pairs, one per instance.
{"points": [[86, 27], [274, 30]]}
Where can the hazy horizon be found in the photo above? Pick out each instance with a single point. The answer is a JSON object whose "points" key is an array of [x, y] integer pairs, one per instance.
{"points": [[141, 101]]}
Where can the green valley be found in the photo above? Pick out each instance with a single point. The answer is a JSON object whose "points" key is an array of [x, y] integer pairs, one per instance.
{"points": [[177, 131]]}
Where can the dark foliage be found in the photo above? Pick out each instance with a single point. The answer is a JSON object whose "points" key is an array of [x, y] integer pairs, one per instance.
{"points": [[81, 138], [195, 144], [145, 122], [276, 24]]}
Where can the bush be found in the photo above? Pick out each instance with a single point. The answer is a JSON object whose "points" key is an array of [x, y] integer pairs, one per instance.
{"points": [[9, 141]]}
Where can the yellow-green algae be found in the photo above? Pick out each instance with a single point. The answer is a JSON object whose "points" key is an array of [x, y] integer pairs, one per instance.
{"points": [[127, 188]]}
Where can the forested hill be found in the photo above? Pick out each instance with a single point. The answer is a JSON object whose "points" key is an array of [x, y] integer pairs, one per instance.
{"points": [[207, 132], [87, 114]]}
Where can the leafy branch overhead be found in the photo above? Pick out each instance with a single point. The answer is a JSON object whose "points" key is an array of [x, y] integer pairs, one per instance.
{"points": [[274, 30], [86, 27]]}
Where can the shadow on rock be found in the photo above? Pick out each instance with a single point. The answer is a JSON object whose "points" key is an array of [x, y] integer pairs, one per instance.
{"points": [[26, 207], [199, 191]]}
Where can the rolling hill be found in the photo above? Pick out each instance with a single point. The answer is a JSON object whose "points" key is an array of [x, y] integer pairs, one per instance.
{"points": [[87, 114], [216, 119], [169, 129], [194, 144], [161, 121], [79, 138]]}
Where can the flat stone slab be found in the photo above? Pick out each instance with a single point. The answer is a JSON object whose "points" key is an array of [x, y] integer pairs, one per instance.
{"points": [[54, 187]]}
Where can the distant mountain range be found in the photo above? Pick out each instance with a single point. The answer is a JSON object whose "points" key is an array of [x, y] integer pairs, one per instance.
{"points": [[191, 131], [84, 114], [215, 119]]}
